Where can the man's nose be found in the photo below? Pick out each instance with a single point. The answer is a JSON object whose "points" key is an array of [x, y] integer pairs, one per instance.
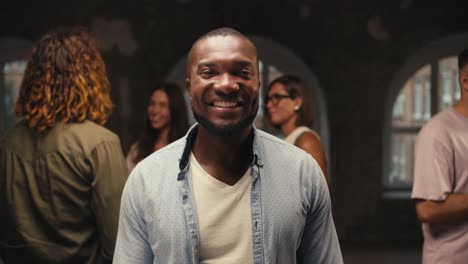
{"points": [[227, 84]]}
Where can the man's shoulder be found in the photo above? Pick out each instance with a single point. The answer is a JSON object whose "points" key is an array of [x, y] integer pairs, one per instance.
{"points": [[442, 117], [439, 125], [163, 160], [283, 148], [159, 171], [277, 153], [287, 164], [265, 137]]}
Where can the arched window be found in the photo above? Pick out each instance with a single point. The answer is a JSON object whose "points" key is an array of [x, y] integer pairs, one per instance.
{"points": [[276, 60], [13, 59], [425, 85]]}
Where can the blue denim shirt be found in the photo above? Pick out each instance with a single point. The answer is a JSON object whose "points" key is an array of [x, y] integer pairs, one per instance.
{"points": [[291, 212]]}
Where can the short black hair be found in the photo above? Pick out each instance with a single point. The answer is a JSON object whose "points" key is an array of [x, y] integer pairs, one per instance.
{"points": [[462, 59], [220, 32]]}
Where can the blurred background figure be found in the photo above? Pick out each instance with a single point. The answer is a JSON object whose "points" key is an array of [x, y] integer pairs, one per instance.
{"points": [[166, 122], [288, 107], [61, 172]]}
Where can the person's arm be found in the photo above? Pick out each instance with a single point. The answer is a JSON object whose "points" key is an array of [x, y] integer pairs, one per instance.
{"points": [[319, 243], [312, 145], [110, 173], [453, 209], [133, 246], [434, 180]]}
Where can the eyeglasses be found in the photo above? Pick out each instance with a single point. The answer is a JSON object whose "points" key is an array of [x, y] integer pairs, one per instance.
{"points": [[276, 98]]}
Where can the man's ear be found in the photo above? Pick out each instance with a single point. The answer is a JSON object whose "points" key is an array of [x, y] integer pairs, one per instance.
{"points": [[187, 86], [464, 79]]}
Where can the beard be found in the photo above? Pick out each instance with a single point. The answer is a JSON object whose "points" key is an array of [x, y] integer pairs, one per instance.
{"points": [[227, 130]]}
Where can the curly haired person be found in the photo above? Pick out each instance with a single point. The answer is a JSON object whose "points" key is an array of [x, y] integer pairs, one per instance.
{"points": [[61, 172]]}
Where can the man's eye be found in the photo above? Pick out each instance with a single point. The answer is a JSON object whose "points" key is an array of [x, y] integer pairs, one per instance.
{"points": [[245, 74], [207, 74]]}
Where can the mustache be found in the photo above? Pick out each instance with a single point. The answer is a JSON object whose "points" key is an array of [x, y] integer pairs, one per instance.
{"points": [[234, 96]]}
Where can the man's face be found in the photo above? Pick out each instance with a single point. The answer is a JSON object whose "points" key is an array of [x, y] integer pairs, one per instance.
{"points": [[223, 83]]}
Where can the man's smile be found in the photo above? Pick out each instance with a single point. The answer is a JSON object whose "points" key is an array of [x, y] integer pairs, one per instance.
{"points": [[226, 104]]}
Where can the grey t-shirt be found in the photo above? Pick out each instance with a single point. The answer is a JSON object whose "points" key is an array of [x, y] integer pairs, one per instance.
{"points": [[440, 169]]}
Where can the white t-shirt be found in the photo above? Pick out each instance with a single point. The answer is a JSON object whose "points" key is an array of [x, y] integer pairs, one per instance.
{"points": [[224, 217]]}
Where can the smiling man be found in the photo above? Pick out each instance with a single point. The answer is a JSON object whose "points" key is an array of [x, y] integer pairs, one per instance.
{"points": [[227, 192]]}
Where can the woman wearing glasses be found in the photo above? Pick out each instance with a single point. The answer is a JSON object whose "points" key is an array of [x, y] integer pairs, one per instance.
{"points": [[288, 107]]}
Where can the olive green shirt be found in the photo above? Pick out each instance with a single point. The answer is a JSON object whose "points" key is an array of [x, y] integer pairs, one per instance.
{"points": [[60, 193]]}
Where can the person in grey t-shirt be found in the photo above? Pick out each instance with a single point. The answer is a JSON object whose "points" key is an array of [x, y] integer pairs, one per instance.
{"points": [[440, 189]]}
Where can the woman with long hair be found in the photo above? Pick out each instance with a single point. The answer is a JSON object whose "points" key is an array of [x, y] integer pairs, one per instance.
{"points": [[166, 122], [288, 108], [61, 172]]}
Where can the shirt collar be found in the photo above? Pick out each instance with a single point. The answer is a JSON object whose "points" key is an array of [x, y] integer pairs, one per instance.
{"points": [[190, 138]]}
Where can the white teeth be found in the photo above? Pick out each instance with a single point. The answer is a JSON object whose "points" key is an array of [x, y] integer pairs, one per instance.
{"points": [[224, 104]]}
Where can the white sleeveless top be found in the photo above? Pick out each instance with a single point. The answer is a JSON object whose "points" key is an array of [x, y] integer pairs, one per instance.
{"points": [[291, 138]]}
